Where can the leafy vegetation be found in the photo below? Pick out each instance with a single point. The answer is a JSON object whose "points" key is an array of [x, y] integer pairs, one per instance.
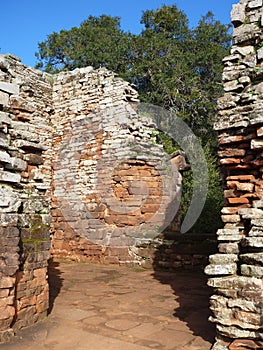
{"points": [[171, 65]]}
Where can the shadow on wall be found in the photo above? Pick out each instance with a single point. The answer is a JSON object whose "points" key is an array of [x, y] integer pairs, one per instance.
{"points": [[55, 282]]}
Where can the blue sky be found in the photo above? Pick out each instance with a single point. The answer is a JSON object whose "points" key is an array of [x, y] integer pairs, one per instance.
{"points": [[24, 23]]}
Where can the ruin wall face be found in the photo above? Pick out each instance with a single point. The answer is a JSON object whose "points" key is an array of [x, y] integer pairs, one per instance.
{"points": [[81, 177], [237, 270], [25, 183], [111, 187]]}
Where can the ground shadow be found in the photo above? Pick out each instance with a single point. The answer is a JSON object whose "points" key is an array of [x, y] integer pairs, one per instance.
{"points": [[193, 295], [189, 284], [55, 282]]}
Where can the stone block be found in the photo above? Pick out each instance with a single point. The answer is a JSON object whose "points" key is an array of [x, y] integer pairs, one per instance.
{"points": [[9, 198], [256, 242], [228, 248], [238, 200], [7, 312], [238, 15], [16, 164], [244, 34], [7, 282], [260, 54], [5, 118], [254, 4], [257, 222], [28, 145], [243, 344], [236, 283], [229, 210], [230, 218], [4, 99], [250, 270], [6, 335], [9, 219], [256, 232], [222, 258], [235, 332], [246, 187], [245, 305], [252, 258], [34, 159], [6, 176], [4, 157], [226, 269], [251, 213], [257, 144], [231, 235], [12, 89]]}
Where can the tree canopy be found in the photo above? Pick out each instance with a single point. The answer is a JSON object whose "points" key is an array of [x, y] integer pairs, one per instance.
{"points": [[172, 66]]}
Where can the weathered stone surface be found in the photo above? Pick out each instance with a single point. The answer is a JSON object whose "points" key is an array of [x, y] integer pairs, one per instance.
{"points": [[218, 269], [252, 258], [5, 118], [28, 145], [256, 242], [260, 54], [257, 222], [244, 305], [222, 258], [34, 159], [4, 98], [23, 130], [9, 88], [7, 282], [230, 235], [257, 144], [251, 213], [9, 177], [242, 344], [228, 248], [237, 333], [16, 164], [236, 283], [238, 14], [4, 157], [250, 270], [254, 4], [9, 199], [237, 303]]}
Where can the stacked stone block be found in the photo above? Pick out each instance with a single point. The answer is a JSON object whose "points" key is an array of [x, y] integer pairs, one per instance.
{"points": [[237, 269], [109, 173], [25, 174]]}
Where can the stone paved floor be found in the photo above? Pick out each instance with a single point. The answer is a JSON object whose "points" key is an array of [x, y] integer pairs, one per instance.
{"points": [[104, 307]]}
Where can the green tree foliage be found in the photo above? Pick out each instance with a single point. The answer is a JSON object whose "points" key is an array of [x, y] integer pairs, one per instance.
{"points": [[98, 41], [210, 219], [171, 65]]}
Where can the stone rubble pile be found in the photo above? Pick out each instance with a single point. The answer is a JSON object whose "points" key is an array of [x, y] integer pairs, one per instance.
{"points": [[237, 268]]}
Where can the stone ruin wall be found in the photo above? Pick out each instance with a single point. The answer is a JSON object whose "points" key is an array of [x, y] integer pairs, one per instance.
{"points": [[237, 269], [101, 153], [25, 179], [71, 145], [104, 151], [58, 135], [44, 122]]}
